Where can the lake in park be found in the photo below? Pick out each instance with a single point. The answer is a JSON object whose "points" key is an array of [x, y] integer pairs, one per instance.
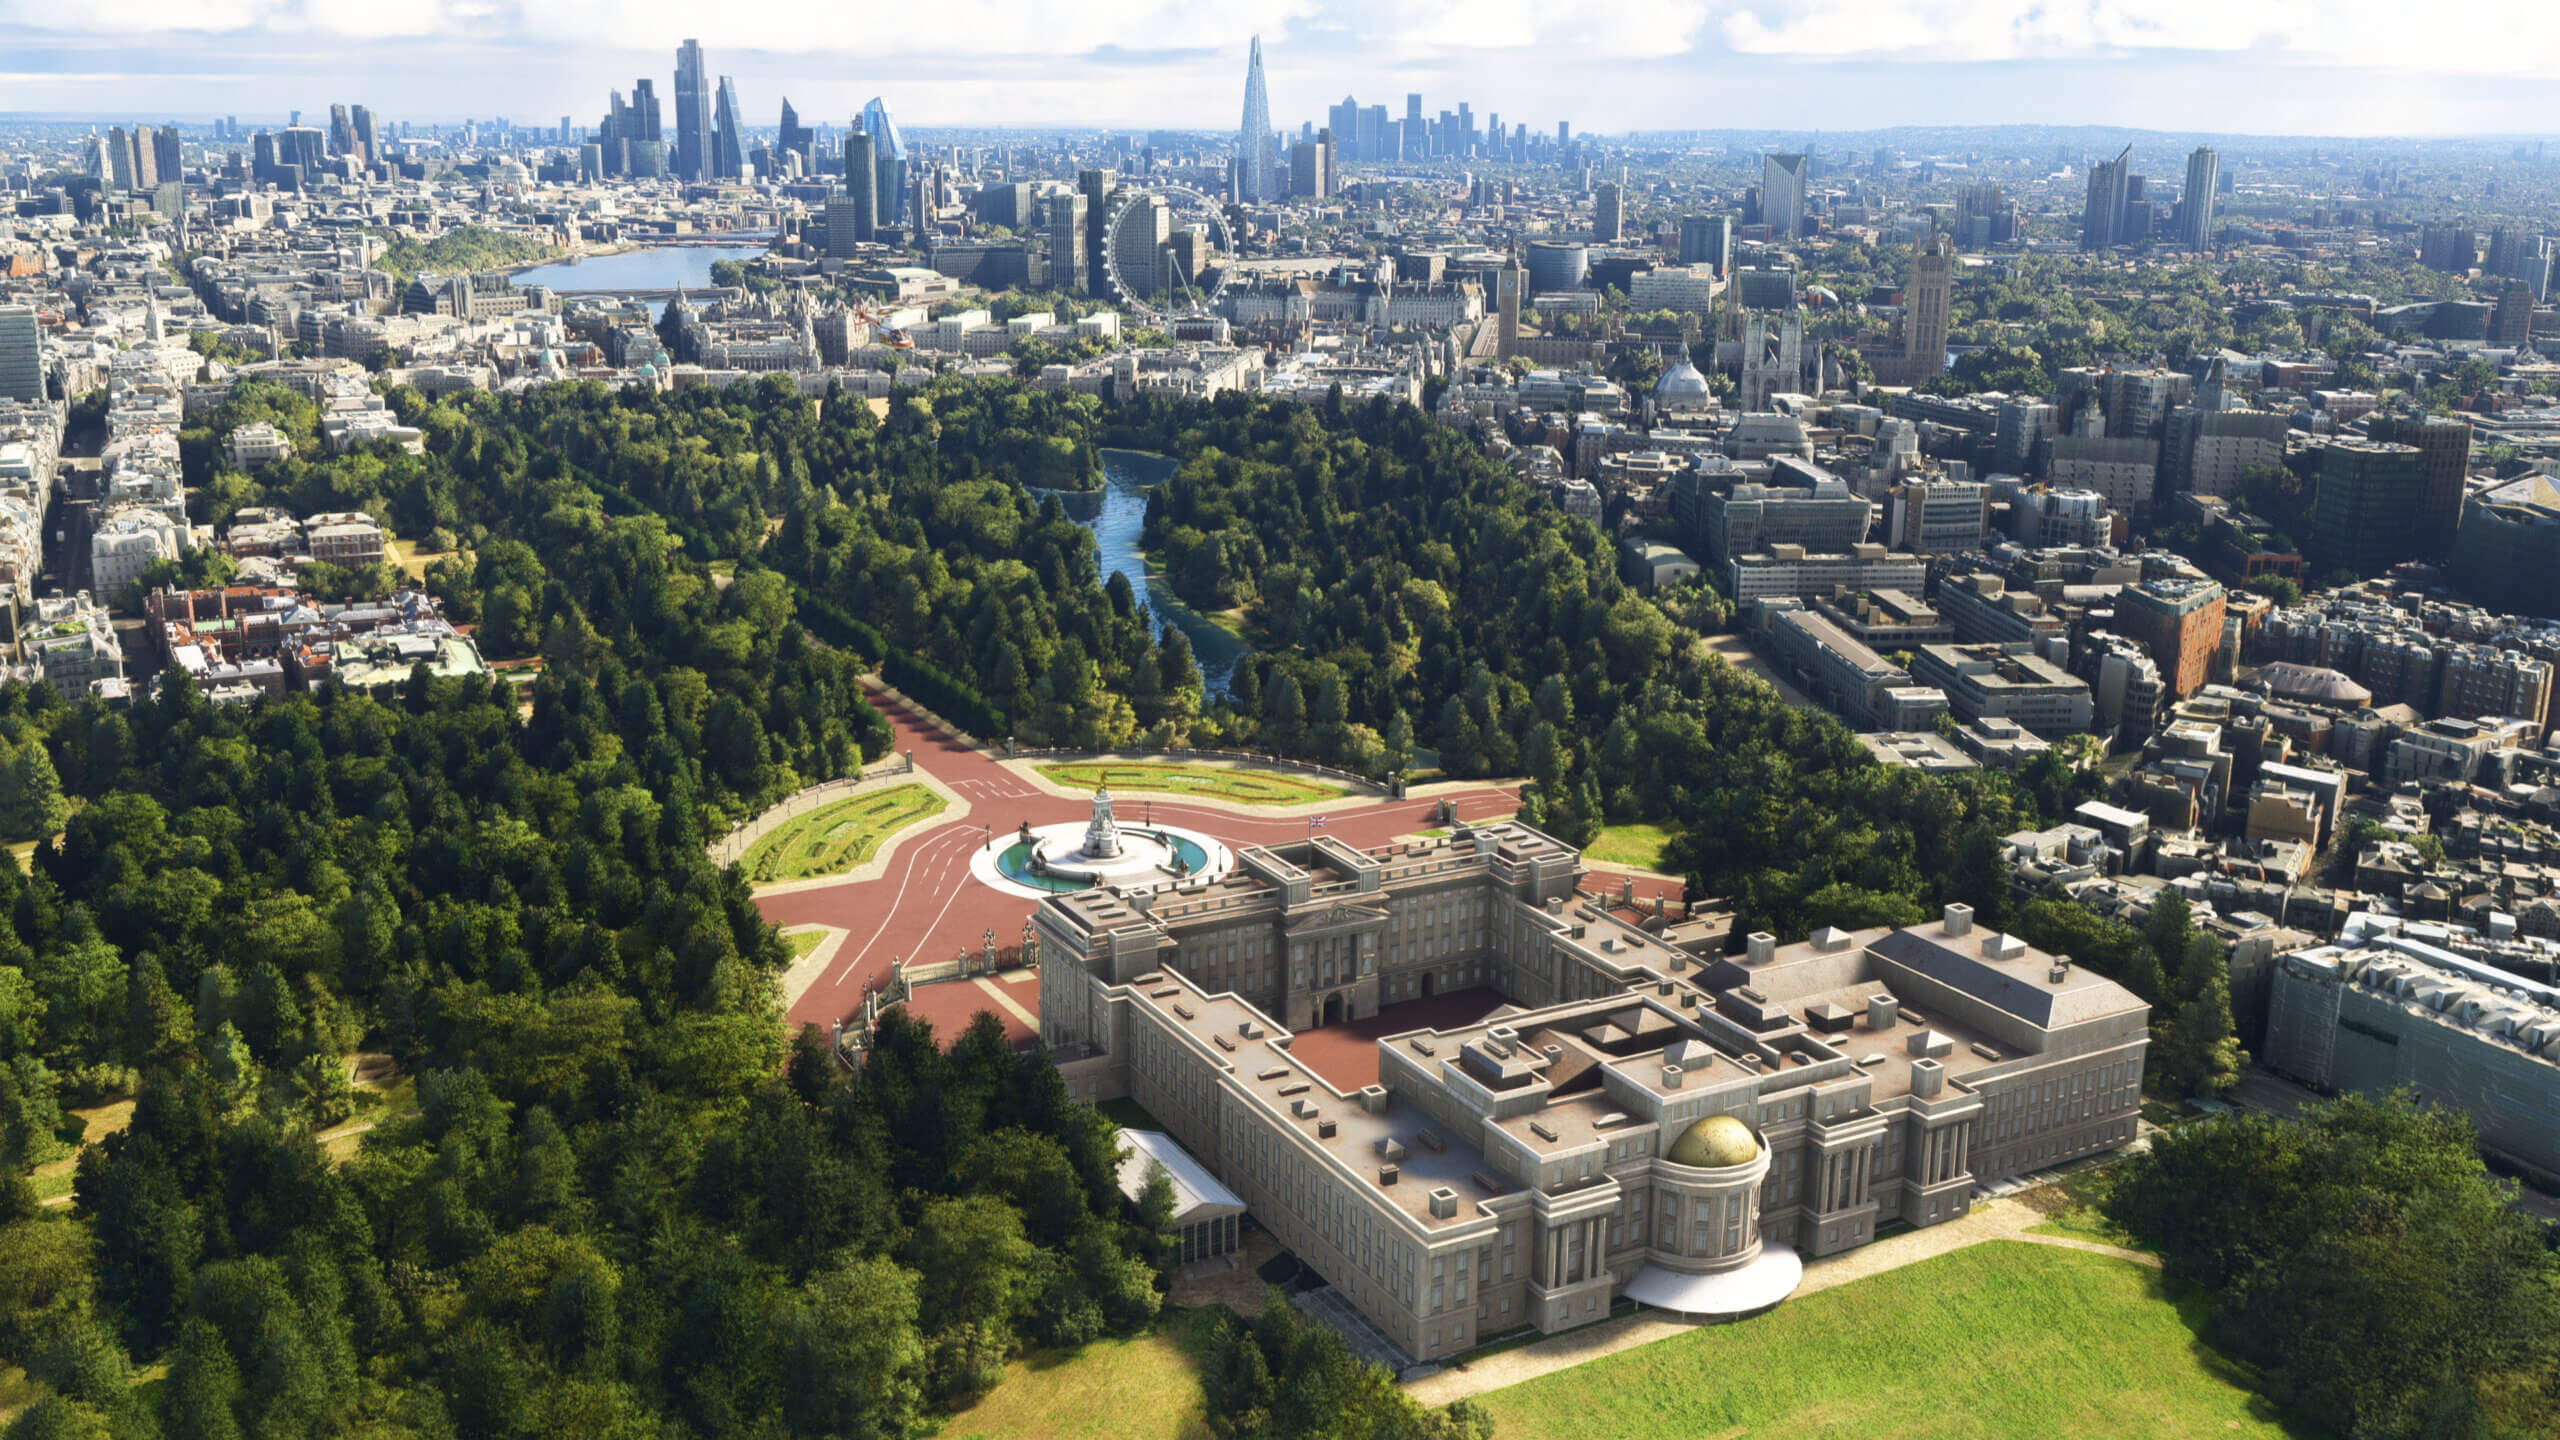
{"points": [[1117, 522], [661, 267]]}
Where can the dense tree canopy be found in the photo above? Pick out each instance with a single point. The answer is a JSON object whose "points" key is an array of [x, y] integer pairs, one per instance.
{"points": [[2364, 1258]]}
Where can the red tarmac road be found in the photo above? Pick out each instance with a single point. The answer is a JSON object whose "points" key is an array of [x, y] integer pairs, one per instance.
{"points": [[928, 907]]}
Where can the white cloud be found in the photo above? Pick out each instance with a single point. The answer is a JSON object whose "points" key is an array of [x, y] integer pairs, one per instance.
{"points": [[2499, 37], [2298, 66]]}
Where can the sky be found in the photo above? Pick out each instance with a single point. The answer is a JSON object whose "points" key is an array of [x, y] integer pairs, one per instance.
{"points": [[2296, 67]]}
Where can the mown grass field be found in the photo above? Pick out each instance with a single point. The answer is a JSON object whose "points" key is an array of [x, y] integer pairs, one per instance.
{"points": [[1641, 846], [1999, 1341], [1144, 1388], [837, 837], [1244, 787]]}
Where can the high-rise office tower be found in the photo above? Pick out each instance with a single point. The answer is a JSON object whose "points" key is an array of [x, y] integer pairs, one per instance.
{"points": [[1415, 136], [1067, 244], [2102, 218], [1344, 121], [2365, 519], [1984, 216], [1138, 244], [1707, 240], [1608, 202], [2512, 322], [165, 161], [793, 138], [693, 114], [889, 159], [1782, 186], [368, 145], [2519, 254], [119, 159], [1257, 180], [1506, 299], [2444, 464], [1373, 131], [2195, 207], [342, 131], [843, 226], [21, 353], [862, 183], [1311, 167], [1924, 310], [2450, 248], [305, 146], [729, 132], [1564, 134], [1096, 186]]}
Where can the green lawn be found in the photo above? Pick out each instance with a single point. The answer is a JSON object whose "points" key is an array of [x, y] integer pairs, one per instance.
{"points": [[1998, 1340], [838, 837], [1146, 1388], [804, 941], [1638, 845], [2071, 1208], [1246, 787]]}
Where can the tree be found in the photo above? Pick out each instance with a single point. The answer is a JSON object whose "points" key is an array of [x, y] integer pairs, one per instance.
{"points": [[1284, 714], [55, 1418], [857, 1363], [31, 802], [2361, 1254], [973, 1261], [2199, 1053]]}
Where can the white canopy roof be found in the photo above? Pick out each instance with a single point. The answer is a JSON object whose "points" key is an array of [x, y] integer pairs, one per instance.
{"points": [[1755, 1287], [1197, 1195]]}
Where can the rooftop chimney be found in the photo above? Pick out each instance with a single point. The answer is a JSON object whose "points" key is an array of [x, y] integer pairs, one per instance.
{"points": [[1959, 919], [1671, 1077], [1928, 1077], [1760, 947], [1880, 1009]]}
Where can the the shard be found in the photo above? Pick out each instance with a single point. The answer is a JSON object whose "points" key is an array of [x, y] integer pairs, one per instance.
{"points": [[1258, 180]]}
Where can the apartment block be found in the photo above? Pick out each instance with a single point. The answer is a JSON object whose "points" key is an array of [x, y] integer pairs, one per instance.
{"points": [[2006, 682], [2380, 1011], [1794, 570]]}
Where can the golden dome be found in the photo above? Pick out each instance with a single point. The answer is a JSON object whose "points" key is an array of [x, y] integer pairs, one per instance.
{"points": [[1715, 1143]]}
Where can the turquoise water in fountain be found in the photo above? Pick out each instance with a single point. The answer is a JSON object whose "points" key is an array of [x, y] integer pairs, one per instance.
{"points": [[1015, 863]]}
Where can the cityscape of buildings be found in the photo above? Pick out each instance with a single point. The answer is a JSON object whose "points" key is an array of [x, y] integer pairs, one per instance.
{"points": [[2229, 491]]}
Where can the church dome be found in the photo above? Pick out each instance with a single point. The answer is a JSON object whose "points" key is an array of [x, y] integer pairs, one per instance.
{"points": [[1718, 1142], [1681, 384]]}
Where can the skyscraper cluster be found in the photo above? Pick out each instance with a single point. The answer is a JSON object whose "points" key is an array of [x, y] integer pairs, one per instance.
{"points": [[711, 128], [630, 142], [1354, 133], [2120, 210], [138, 159]]}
